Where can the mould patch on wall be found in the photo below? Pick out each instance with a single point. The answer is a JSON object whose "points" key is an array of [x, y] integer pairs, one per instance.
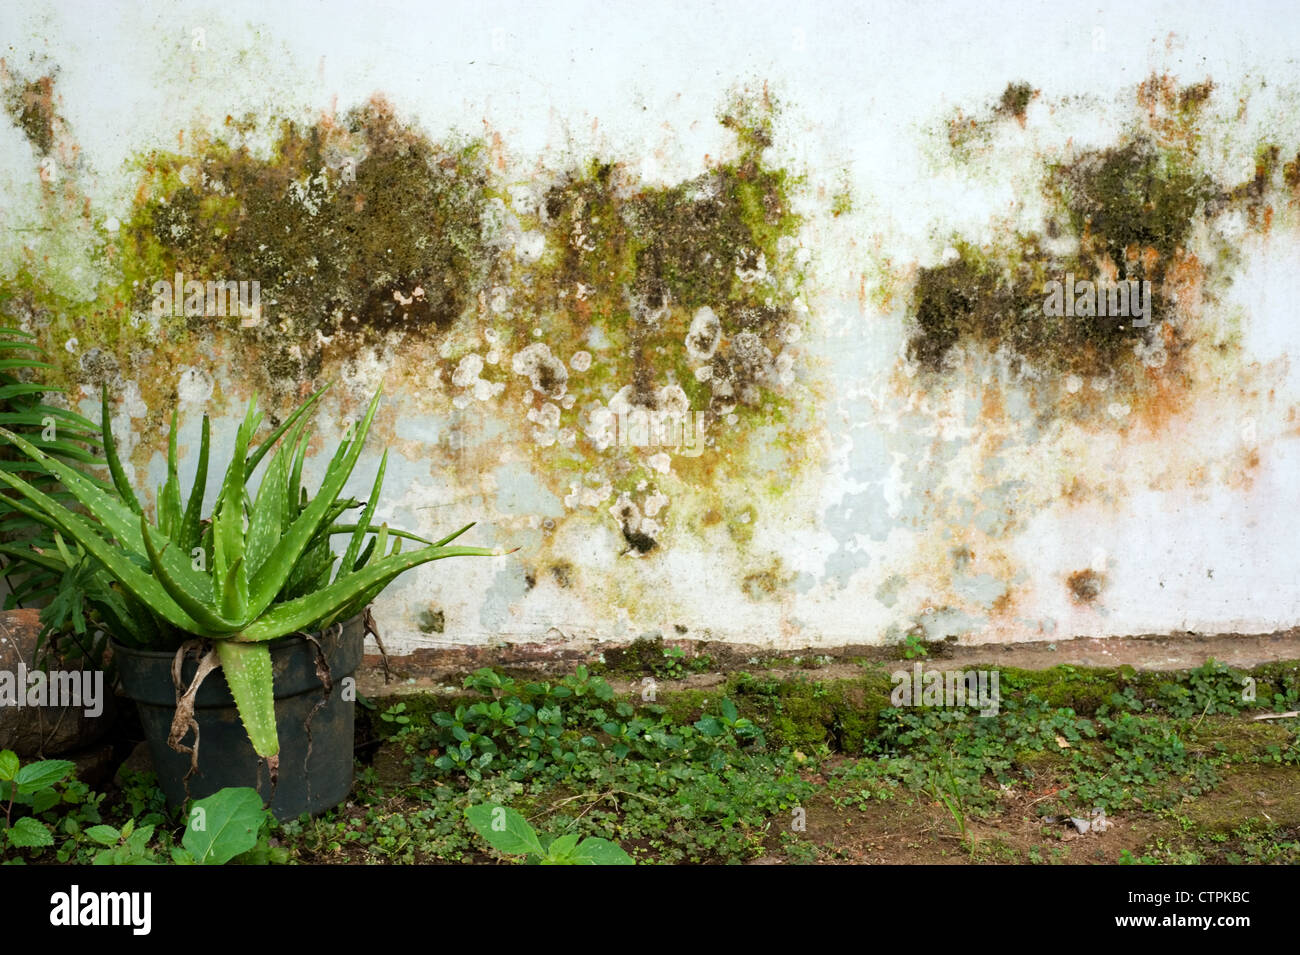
{"points": [[1027, 382], [597, 350]]}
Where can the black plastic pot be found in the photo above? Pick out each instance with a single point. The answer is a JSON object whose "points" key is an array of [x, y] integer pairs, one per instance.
{"points": [[306, 783]]}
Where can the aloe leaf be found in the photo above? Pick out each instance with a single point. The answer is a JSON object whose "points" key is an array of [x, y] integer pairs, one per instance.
{"points": [[234, 601], [392, 531], [68, 423], [228, 559], [267, 519], [293, 615], [349, 562], [114, 462], [381, 542], [295, 479], [139, 584], [232, 485], [26, 467], [253, 460], [63, 548], [8, 363], [33, 556], [121, 522], [189, 532], [66, 450], [207, 615], [280, 563], [169, 495], [247, 668], [453, 535]]}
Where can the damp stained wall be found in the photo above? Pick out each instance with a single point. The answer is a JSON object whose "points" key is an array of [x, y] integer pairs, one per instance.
{"points": [[817, 251]]}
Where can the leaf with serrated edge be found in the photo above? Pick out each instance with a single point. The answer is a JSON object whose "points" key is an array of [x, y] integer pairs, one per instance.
{"points": [[29, 833], [120, 521], [293, 615], [267, 520], [302, 409], [43, 773], [247, 668], [202, 611], [140, 585], [190, 523], [280, 563]]}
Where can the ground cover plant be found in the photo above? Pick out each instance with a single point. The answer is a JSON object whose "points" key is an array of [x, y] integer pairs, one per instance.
{"points": [[777, 764]]}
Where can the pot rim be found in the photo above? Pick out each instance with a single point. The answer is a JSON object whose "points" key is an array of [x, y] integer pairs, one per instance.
{"points": [[169, 654]]}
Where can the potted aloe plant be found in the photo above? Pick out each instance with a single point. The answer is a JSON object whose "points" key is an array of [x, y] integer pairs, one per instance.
{"points": [[252, 591]]}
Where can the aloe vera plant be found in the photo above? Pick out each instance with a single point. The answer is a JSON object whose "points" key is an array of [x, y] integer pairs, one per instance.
{"points": [[258, 567]]}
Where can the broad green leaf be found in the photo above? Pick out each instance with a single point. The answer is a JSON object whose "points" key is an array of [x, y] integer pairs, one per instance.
{"points": [[41, 774], [560, 851], [504, 829], [596, 851], [8, 764], [709, 726], [29, 833], [231, 820], [104, 835], [247, 668]]}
